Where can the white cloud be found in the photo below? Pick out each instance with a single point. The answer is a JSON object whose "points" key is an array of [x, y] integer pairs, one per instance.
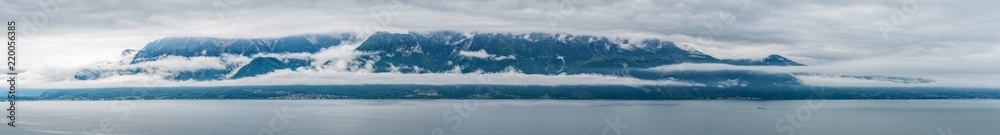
{"points": [[301, 56], [848, 82], [118, 70], [945, 41], [510, 57], [332, 67], [482, 54], [326, 77], [946, 72], [338, 58], [180, 64], [476, 54]]}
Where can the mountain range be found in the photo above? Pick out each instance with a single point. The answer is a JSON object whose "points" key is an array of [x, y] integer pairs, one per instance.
{"points": [[205, 59], [440, 52]]}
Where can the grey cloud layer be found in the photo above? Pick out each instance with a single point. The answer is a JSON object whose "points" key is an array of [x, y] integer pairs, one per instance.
{"points": [[962, 33]]}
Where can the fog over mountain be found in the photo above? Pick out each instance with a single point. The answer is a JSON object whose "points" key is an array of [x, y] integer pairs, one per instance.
{"points": [[446, 57]]}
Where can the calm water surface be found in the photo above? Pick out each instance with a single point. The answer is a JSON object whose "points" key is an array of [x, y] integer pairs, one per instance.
{"points": [[506, 117]]}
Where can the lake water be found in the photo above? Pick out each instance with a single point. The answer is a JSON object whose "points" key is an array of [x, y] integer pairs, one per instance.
{"points": [[507, 117]]}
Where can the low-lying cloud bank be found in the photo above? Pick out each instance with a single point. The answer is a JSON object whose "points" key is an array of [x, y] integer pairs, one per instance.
{"points": [[336, 65], [482, 54], [942, 72], [316, 77]]}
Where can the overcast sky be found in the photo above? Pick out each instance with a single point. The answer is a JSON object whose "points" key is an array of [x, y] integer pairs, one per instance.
{"points": [[923, 38]]}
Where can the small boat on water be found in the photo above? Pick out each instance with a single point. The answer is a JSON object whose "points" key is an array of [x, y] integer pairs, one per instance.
{"points": [[760, 107]]}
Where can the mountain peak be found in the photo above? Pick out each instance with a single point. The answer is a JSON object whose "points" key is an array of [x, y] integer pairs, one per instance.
{"points": [[775, 59], [770, 60], [127, 52]]}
